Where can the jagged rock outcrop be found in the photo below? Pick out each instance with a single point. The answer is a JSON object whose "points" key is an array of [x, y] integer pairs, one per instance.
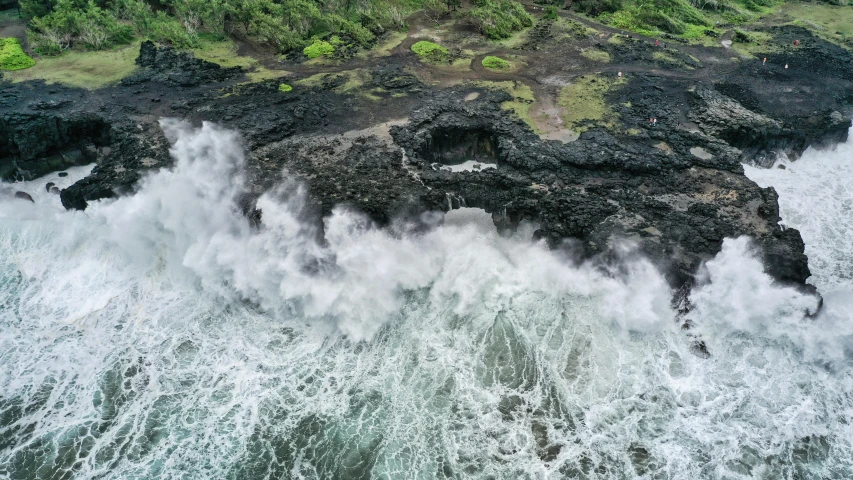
{"points": [[134, 150], [599, 190], [166, 65], [720, 116], [37, 140], [674, 192]]}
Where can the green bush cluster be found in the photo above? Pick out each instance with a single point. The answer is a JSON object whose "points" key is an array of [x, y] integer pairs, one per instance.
{"points": [[319, 48], [655, 16], [285, 88], [430, 51], [75, 22], [495, 62], [498, 19], [550, 13], [742, 37], [597, 7], [12, 57], [56, 25], [686, 18]]}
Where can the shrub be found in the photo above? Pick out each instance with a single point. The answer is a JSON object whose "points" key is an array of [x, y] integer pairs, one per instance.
{"points": [[284, 88], [550, 13], [742, 37], [498, 19], [430, 51], [318, 49], [69, 23], [495, 62], [12, 57], [597, 7]]}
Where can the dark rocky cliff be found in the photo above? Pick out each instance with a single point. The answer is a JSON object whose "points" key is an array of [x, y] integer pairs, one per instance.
{"points": [[675, 191]]}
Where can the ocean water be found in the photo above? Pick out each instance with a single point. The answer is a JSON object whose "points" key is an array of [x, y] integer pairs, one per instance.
{"points": [[161, 336]]}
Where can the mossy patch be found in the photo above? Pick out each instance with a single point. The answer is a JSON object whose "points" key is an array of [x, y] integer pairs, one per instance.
{"points": [[495, 63], [82, 69], [522, 95], [223, 52], [320, 48], [12, 57], [762, 42], [385, 45], [584, 105], [595, 55], [430, 51], [347, 81], [664, 58], [285, 88]]}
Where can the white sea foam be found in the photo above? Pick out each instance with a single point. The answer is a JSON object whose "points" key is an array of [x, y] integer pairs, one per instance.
{"points": [[160, 336]]}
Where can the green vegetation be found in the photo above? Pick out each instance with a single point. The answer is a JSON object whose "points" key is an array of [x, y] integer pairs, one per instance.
{"points": [[760, 42], [58, 25], [689, 19], [498, 19], [522, 98], [318, 49], [831, 22], [66, 23], [82, 69], [347, 81], [596, 55], [222, 51], [430, 51], [8, 15], [383, 48], [12, 57], [584, 104], [285, 88], [550, 13], [495, 62], [742, 37]]}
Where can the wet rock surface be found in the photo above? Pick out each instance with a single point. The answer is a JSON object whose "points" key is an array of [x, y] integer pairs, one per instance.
{"points": [[674, 191]]}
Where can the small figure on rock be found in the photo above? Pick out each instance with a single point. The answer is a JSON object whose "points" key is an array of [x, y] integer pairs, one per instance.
{"points": [[656, 43], [620, 75], [765, 61], [796, 42]]}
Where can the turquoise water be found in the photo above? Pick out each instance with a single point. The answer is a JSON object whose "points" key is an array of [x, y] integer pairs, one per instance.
{"points": [[159, 336]]}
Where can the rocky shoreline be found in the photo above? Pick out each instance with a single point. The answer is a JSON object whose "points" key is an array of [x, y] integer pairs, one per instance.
{"points": [[676, 189]]}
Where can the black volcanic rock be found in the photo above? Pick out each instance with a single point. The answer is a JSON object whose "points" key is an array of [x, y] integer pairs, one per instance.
{"points": [[166, 65]]}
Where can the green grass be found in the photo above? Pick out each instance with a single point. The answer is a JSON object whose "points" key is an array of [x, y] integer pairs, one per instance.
{"points": [[496, 63], [222, 52], [353, 83], [522, 95], [89, 70], [584, 104], [12, 57], [9, 15], [385, 45], [596, 55], [835, 22], [762, 42], [430, 51], [319, 49], [285, 88]]}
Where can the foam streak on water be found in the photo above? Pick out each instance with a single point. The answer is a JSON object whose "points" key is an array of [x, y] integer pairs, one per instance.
{"points": [[160, 336]]}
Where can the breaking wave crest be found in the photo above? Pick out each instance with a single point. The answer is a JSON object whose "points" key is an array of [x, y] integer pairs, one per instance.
{"points": [[161, 335]]}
